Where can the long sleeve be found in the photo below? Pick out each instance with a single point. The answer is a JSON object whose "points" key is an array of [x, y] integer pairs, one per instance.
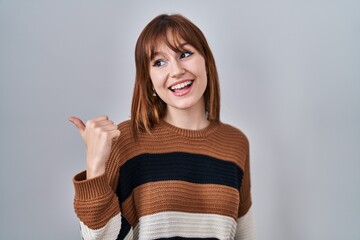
{"points": [[96, 203], [97, 207], [245, 229]]}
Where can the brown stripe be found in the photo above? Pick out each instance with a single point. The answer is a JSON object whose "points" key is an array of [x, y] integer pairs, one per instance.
{"points": [[224, 144], [245, 190], [104, 204], [96, 213], [180, 196]]}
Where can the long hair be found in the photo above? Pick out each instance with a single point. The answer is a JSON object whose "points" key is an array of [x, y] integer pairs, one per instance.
{"points": [[147, 110]]}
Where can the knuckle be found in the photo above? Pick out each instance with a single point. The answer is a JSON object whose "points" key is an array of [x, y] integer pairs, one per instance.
{"points": [[91, 123], [108, 122], [104, 134], [98, 130], [88, 123]]}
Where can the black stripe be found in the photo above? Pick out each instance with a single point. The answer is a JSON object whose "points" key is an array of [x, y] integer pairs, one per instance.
{"points": [[124, 230], [188, 167]]}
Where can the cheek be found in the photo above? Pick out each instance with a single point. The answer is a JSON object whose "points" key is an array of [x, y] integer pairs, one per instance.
{"points": [[202, 69], [200, 64], [153, 78], [157, 77], [158, 83]]}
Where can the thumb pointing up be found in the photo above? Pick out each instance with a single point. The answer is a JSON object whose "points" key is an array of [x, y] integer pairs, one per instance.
{"points": [[80, 126]]}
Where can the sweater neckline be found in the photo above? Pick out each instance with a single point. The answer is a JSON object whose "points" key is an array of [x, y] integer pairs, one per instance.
{"points": [[191, 133]]}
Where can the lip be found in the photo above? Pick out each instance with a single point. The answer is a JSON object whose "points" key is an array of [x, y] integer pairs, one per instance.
{"points": [[183, 92], [178, 82]]}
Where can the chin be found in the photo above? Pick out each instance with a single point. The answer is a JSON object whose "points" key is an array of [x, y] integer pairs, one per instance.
{"points": [[185, 105]]}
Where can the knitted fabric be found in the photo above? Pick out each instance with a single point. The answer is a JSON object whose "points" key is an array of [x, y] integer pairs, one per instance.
{"points": [[171, 184]]}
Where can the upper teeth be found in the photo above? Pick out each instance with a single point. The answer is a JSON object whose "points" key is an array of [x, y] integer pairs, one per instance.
{"points": [[180, 85]]}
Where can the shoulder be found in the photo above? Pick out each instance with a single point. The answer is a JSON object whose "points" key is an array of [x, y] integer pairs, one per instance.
{"points": [[124, 144], [125, 132], [232, 133], [125, 125], [125, 129], [231, 144]]}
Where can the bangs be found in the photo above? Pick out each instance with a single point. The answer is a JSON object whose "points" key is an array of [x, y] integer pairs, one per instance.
{"points": [[174, 38]]}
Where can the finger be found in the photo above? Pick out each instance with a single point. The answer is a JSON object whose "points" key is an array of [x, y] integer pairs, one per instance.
{"points": [[78, 123], [94, 122], [115, 134], [109, 127], [100, 118], [104, 123]]}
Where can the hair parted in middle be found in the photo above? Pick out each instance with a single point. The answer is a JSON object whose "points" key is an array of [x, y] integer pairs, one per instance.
{"points": [[147, 110]]}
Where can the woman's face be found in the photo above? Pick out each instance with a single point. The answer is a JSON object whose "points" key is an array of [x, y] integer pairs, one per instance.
{"points": [[179, 79]]}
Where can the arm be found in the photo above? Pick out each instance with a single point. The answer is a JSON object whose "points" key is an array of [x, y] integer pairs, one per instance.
{"points": [[97, 207], [245, 229], [95, 202]]}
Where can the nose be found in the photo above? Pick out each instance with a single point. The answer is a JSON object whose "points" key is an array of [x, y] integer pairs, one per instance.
{"points": [[177, 69]]}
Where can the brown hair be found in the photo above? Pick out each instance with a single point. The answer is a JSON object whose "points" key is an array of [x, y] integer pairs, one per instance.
{"points": [[147, 110]]}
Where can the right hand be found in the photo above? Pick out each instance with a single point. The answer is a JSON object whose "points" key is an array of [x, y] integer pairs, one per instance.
{"points": [[98, 135]]}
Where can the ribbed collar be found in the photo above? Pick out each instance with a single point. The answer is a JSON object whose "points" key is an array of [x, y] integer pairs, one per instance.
{"points": [[212, 127]]}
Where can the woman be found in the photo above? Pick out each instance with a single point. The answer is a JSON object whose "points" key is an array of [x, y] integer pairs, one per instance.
{"points": [[173, 170]]}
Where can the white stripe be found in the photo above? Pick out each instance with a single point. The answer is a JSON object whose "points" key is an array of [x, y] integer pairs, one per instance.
{"points": [[129, 236], [246, 227], [191, 225], [109, 232]]}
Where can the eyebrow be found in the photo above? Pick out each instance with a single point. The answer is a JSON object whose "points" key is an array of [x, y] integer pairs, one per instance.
{"points": [[155, 54], [183, 44]]}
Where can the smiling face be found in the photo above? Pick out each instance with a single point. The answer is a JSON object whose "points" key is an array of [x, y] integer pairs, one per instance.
{"points": [[195, 84], [179, 77]]}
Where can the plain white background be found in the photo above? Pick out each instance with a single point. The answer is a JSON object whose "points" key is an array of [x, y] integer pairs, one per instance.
{"points": [[290, 79]]}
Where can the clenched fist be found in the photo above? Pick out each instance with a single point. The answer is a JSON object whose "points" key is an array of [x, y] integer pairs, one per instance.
{"points": [[98, 135]]}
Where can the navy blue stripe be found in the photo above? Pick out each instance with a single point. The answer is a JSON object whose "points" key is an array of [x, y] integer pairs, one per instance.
{"points": [[188, 167], [124, 230]]}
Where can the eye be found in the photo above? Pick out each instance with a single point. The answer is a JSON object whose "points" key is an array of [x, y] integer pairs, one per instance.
{"points": [[159, 63], [186, 54]]}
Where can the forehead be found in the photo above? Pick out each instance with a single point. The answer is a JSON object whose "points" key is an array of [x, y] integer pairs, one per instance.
{"points": [[169, 41], [165, 48]]}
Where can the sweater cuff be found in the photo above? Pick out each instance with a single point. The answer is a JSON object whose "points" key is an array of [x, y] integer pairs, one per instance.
{"points": [[244, 207], [86, 189]]}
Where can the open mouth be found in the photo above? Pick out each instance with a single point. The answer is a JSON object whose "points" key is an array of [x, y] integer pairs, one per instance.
{"points": [[181, 86]]}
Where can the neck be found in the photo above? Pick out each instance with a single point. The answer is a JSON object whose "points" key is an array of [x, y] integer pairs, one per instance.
{"points": [[192, 119]]}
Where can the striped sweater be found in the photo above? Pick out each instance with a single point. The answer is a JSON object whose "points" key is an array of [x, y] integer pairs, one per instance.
{"points": [[171, 184]]}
